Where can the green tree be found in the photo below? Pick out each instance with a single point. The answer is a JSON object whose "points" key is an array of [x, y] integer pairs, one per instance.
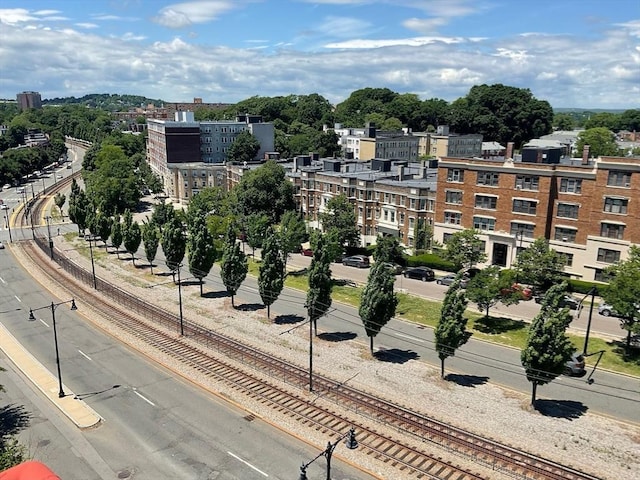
{"points": [[540, 265], [234, 266], [623, 292], [131, 238], [12, 453], [451, 331], [59, 200], [116, 234], [271, 271], [423, 234], [378, 302], [465, 249], [78, 210], [162, 213], [202, 252], [292, 233], [485, 288], [340, 216], [244, 148], [103, 227], [265, 190], [388, 249], [548, 348], [150, 240], [601, 142], [256, 226], [174, 244], [320, 285], [563, 121]]}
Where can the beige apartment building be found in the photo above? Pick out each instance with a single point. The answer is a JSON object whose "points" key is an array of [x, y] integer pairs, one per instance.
{"points": [[588, 209]]}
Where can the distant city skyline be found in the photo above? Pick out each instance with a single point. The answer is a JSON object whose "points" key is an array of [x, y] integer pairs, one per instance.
{"points": [[572, 53]]}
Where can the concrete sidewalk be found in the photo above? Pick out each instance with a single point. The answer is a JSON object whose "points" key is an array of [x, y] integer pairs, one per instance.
{"points": [[76, 410]]}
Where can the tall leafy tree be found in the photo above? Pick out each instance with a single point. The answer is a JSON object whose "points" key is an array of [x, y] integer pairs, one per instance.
{"points": [[601, 142], [540, 265], [103, 227], [265, 190], [548, 348], [271, 272], [320, 285], [162, 213], [174, 244], [378, 302], [234, 266], [116, 234], [450, 333], [623, 292], [340, 216], [292, 233], [423, 234], [202, 251], [131, 238], [150, 240], [256, 226], [465, 249], [388, 249], [60, 200], [244, 148], [78, 210]]}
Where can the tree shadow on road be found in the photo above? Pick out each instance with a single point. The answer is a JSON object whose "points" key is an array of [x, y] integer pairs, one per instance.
{"points": [[395, 355], [337, 336], [216, 294], [466, 380], [13, 418], [567, 409], [497, 325], [288, 319], [250, 307]]}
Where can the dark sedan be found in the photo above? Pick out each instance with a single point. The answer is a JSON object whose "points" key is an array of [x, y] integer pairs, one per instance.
{"points": [[565, 301], [359, 261], [420, 273]]}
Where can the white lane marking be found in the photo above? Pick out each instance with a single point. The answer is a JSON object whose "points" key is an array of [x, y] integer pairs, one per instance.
{"points": [[18, 298], [2, 280], [44, 323], [145, 399], [248, 464], [415, 339], [84, 355]]}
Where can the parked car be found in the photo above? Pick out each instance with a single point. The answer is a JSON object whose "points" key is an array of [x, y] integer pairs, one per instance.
{"points": [[396, 268], [420, 273], [1, 245], [307, 252], [608, 311], [449, 279], [575, 366], [565, 301], [525, 292], [360, 261], [4, 206]]}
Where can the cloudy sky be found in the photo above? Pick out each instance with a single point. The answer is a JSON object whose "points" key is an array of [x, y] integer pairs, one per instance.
{"points": [[573, 53]]}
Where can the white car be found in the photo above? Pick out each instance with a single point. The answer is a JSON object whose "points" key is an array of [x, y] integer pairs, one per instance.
{"points": [[1, 245], [4, 206]]}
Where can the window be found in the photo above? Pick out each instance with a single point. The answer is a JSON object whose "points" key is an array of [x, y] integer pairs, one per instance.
{"points": [[601, 276], [455, 175], [568, 210], [522, 229], [608, 256], [525, 206], [612, 230], [615, 205], [452, 218], [488, 202], [446, 237], [484, 223], [568, 258], [527, 182], [570, 185], [488, 178], [565, 234], [619, 179], [453, 196]]}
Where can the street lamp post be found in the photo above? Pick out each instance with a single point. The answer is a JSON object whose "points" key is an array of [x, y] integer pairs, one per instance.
{"points": [[180, 301], [93, 267], [55, 334], [350, 442], [591, 292], [49, 235], [6, 217]]}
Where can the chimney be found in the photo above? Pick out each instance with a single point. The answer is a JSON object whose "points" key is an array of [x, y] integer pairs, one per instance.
{"points": [[585, 155], [400, 173], [509, 152]]}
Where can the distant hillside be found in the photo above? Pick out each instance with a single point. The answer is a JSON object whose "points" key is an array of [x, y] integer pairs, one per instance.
{"points": [[106, 101], [590, 110]]}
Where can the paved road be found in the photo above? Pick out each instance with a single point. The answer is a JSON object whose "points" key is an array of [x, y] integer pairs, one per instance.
{"points": [[156, 425]]}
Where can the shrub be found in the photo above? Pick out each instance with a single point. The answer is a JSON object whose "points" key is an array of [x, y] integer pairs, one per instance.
{"points": [[582, 286], [431, 260]]}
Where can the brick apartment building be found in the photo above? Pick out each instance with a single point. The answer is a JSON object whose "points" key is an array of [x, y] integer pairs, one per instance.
{"points": [[588, 209]]}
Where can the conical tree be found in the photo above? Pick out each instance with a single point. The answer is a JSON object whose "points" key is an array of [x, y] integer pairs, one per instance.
{"points": [[174, 244], [151, 240], [131, 238], [116, 234], [271, 274], [319, 293], [450, 333], [378, 302], [103, 227], [202, 252], [234, 266], [548, 348]]}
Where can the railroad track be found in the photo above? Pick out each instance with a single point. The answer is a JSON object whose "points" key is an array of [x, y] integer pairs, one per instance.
{"points": [[219, 357]]}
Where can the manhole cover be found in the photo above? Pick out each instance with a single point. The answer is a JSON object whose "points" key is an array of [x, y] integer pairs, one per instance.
{"points": [[124, 474]]}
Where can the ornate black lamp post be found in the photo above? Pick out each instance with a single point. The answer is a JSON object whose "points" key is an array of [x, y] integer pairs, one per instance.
{"points": [[350, 442], [55, 334]]}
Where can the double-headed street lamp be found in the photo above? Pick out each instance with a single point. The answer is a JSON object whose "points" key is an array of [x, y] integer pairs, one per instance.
{"points": [[55, 333], [350, 442]]}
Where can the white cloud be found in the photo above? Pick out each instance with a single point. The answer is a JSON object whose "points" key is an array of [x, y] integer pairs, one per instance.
{"points": [[184, 14], [13, 16], [391, 42], [86, 25]]}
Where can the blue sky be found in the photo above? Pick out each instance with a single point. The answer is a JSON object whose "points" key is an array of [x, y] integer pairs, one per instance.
{"points": [[572, 53]]}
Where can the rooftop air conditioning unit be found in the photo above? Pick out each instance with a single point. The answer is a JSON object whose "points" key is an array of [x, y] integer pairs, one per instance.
{"points": [[565, 239], [518, 187], [627, 185]]}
